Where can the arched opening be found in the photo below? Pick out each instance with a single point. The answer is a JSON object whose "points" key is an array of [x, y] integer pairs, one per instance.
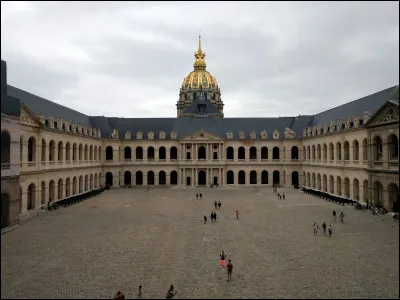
{"points": [[324, 183], [162, 153], [356, 151], [127, 178], [86, 183], [264, 177], [393, 147], [67, 187], [304, 153], [109, 179], [319, 182], [356, 189], [378, 194], [339, 186], [52, 190], [173, 154], [60, 187], [346, 150], [86, 152], [162, 178], [43, 156], [127, 153], [347, 187], [314, 183], [202, 177], [109, 153], [60, 151], [304, 179], [150, 178], [308, 153], [100, 154], [91, 182], [95, 153], [295, 178], [229, 153], [365, 191], [365, 149], [319, 152], [5, 205], [393, 191], [378, 148], [150, 153], [5, 161], [275, 153], [253, 177], [74, 152], [276, 177], [324, 153], [264, 153], [68, 151], [139, 153], [80, 152], [253, 153], [313, 152], [80, 184], [331, 185], [173, 178], [308, 179], [294, 152], [91, 152], [241, 153], [338, 151], [139, 178], [43, 192], [74, 186], [331, 152], [230, 179], [31, 149], [201, 153], [95, 181], [242, 177]]}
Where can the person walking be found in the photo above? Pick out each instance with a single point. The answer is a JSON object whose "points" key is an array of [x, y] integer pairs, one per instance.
{"points": [[219, 205], [140, 292], [330, 230], [315, 226], [215, 204], [237, 215], [197, 196], [334, 215], [212, 217], [324, 227], [215, 216], [170, 293], [283, 196], [205, 219], [222, 257], [230, 268], [341, 216], [201, 196]]}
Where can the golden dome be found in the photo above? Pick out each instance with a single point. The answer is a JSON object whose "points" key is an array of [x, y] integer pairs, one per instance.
{"points": [[199, 76]]}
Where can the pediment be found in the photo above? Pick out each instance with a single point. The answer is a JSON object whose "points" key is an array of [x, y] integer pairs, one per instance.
{"points": [[387, 114], [202, 136], [28, 117]]}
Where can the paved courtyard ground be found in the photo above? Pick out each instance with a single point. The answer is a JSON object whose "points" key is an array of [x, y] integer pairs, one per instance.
{"points": [[156, 237]]}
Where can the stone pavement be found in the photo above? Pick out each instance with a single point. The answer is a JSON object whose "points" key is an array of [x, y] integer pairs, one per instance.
{"points": [[127, 237]]}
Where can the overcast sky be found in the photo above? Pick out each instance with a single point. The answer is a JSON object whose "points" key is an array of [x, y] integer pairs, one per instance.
{"points": [[128, 59]]}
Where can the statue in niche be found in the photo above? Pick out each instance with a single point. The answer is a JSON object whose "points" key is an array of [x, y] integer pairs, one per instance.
{"points": [[264, 134], [162, 135], [139, 135], [150, 135], [127, 135], [275, 135]]}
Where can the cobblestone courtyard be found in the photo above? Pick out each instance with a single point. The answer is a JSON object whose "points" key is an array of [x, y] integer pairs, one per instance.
{"points": [[127, 237]]}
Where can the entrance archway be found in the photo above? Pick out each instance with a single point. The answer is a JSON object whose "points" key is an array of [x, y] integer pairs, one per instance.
{"points": [[295, 178], [5, 210], [139, 178], [242, 177], [127, 178], [202, 177], [202, 152], [393, 197], [173, 178], [31, 196], [109, 179], [275, 177], [229, 177]]}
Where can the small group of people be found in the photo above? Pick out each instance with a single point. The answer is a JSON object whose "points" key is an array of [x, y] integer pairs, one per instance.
{"points": [[170, 294], [229, 266], [315, 227], [217, 204], [281, 196], [341, 216], [199, 196], [213, 217]]}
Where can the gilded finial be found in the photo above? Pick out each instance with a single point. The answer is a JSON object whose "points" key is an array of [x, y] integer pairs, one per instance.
{"points": [[199, 55], [199, 50]]}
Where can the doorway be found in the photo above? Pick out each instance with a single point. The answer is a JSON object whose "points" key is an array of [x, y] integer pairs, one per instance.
{"points": [[188, 181], [202, 178], [215, 180]]}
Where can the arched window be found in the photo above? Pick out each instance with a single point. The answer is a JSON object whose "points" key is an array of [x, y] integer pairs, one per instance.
{"points": [[324, 153], [139, 178], [229, 153], [86, 152], [276, 177], [356, 189], [201, 153], [242, 177], [346, 149], [52, 150], [378, 149], [31, 196], [253, 177], [139, 153], [74, 152], [127, 178], [295, 178], [150, 178], [60, 149], [356, 151], [241, 153], [162, 178], [173, 154], [127, 153], [264, 177], [264, 153], [230, 178], [173, 178], [109, 178], [313, 152], [5, 150], [275, 153], [150, 153], [253, 153], [365, 150], [338, 151], [393, 147], [319, 152], [162, 153], [31, 149], [109, 153], [68, 151], [295, 153]]}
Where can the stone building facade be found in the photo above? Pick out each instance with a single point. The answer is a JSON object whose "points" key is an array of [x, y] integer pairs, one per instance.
{"points": [[52, 152]]}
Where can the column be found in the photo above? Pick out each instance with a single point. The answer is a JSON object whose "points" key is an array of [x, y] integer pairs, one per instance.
{"points": [[24, 153], [259, 177], [38, 197], [259, 155], [192, 178], [247, 178], [24, 201]]}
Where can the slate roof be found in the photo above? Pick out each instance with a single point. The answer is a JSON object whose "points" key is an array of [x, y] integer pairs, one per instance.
{"points": [[48, 108], [357, 107], [211, 109]]}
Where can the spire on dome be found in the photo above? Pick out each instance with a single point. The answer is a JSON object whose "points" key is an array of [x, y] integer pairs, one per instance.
{"points": [[199, 55]]}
